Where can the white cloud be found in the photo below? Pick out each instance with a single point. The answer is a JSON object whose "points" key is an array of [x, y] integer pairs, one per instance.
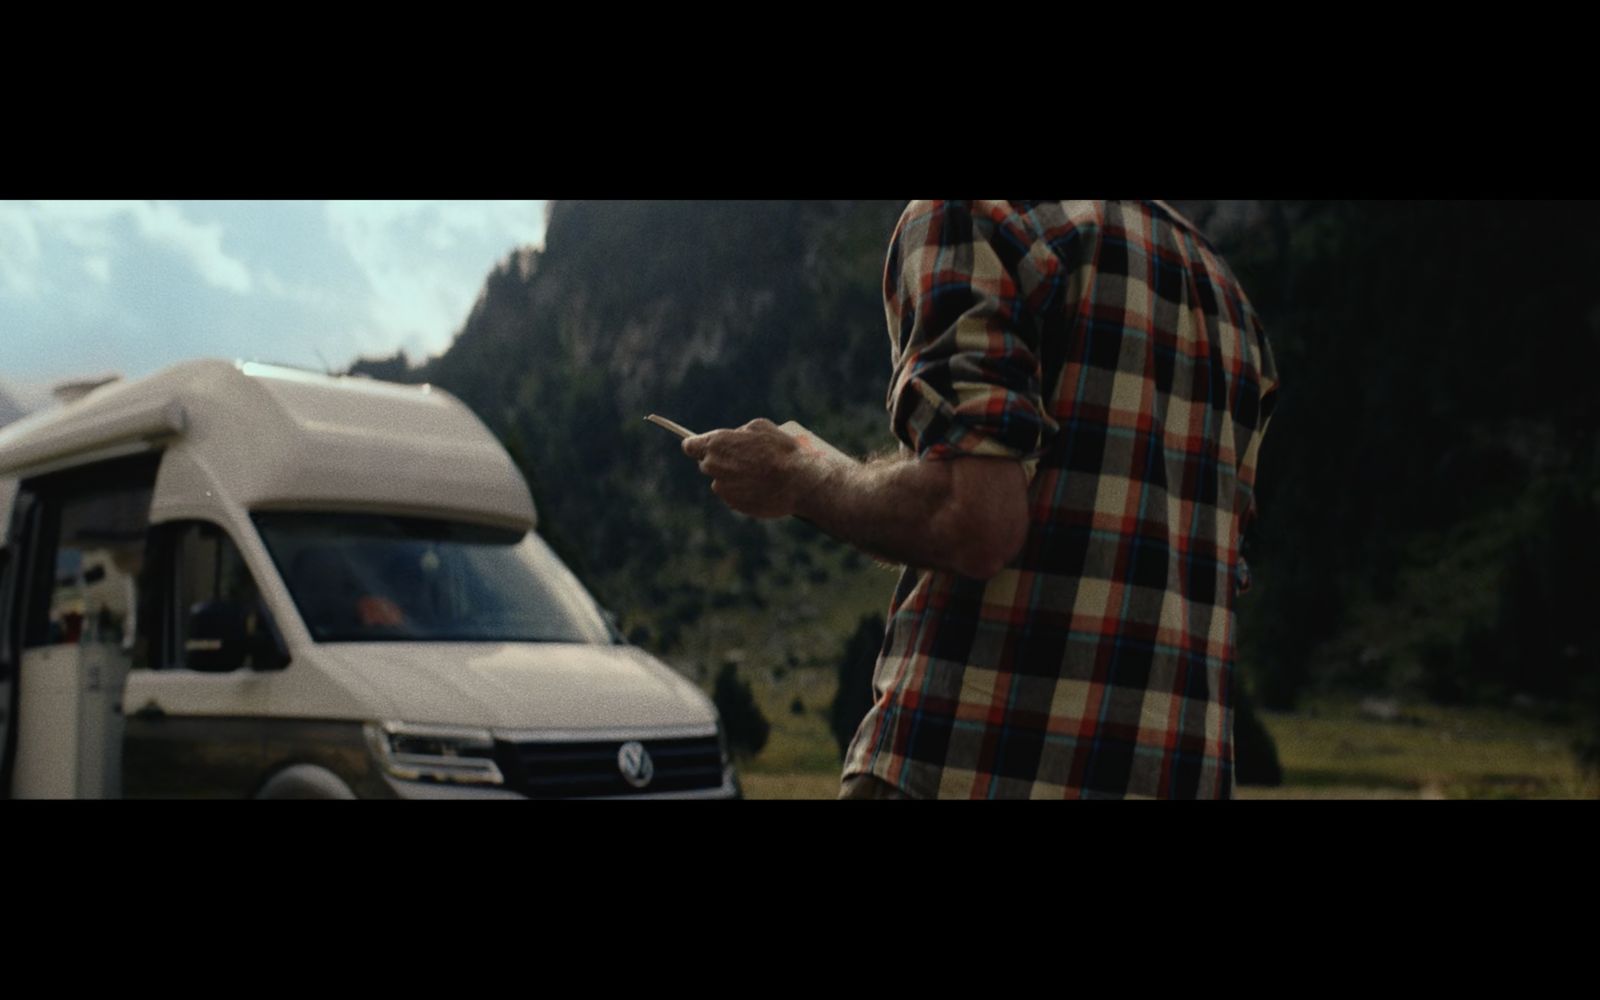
{"points": [[91, 227], [19, 251], [136, 285], [425, 261], [165, 223], [299, 293]]}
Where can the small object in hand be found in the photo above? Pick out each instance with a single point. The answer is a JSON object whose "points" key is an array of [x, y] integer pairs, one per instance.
{"points": [[677, 429]]}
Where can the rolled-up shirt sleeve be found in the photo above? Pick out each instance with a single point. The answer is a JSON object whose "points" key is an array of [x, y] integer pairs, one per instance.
{"points": [[957, 285]]}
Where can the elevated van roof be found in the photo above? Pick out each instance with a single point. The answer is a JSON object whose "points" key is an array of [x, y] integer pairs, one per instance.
{"points": [[257, 437]]}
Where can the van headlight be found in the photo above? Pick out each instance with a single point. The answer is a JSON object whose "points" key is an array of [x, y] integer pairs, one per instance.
{"points": [[458, 755]]}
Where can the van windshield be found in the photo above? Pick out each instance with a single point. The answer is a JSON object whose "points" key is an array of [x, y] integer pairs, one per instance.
{"points": [[376, 578]]}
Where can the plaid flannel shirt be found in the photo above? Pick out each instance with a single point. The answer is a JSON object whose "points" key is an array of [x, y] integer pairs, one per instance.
{"points": [[1108, 348]]}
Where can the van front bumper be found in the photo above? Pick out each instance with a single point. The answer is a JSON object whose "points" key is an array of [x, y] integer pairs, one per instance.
{"points": [[679, 762], [401, 789]]}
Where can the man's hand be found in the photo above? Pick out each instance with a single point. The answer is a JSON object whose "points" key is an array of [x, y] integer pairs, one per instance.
{"points": [[965, 515], [756, 469]]}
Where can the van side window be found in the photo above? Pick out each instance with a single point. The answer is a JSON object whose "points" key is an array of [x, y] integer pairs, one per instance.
{"points": [[85, 584], [213, 600]]}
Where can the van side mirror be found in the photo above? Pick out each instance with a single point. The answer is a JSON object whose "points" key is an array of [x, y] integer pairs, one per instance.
{"points": [[218, 641]]}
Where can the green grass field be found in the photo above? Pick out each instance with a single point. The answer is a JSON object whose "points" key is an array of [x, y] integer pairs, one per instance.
{"points": [[1428, 752], [788, 652], [1328, 751]]}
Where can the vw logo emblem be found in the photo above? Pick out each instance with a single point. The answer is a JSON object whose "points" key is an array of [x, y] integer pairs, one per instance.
{"points": [[633, 760]]}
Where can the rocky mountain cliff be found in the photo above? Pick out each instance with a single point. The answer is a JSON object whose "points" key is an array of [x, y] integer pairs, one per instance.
{"points": [[711, 313]]}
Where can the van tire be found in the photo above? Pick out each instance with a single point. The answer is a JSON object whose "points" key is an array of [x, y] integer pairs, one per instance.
{"points": [[305, 781]]}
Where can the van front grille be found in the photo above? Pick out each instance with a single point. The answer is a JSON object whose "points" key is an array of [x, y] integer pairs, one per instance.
{"points": [[588, 770]]}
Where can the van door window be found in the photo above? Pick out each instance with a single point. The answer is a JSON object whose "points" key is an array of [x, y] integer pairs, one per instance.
{"points": [[215, 618], [95, 595], [86, 586]]}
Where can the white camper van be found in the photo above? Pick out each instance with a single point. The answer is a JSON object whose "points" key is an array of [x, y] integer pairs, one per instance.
{"points": [[239, 580]]}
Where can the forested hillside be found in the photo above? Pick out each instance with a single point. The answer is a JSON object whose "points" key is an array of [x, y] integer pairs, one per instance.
{"points": [[1428, 488], [711, 313]]}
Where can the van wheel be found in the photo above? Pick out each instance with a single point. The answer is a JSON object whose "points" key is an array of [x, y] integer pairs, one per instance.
{"points": [[305, 781]]}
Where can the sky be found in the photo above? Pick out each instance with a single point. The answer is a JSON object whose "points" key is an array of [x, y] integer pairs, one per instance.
{"points": [[128, 287]]}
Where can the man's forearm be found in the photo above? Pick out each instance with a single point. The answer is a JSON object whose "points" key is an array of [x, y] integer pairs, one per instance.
{"points": [[965, 515], [917, 512]]}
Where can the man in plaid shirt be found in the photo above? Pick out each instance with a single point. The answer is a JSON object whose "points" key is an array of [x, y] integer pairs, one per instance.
{"points": [[1080, 389]]}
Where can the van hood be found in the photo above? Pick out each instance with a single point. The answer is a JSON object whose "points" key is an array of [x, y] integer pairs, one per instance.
{"points": [[524, 685]]}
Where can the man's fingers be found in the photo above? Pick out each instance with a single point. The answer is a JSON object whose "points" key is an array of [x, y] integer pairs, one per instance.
{"points": [[697, 446], [746, 465]]}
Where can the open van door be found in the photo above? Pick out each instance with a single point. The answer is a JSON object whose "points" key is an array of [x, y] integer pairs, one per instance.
{"points": [[14, 555], [5, 660], [75, 635]]}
